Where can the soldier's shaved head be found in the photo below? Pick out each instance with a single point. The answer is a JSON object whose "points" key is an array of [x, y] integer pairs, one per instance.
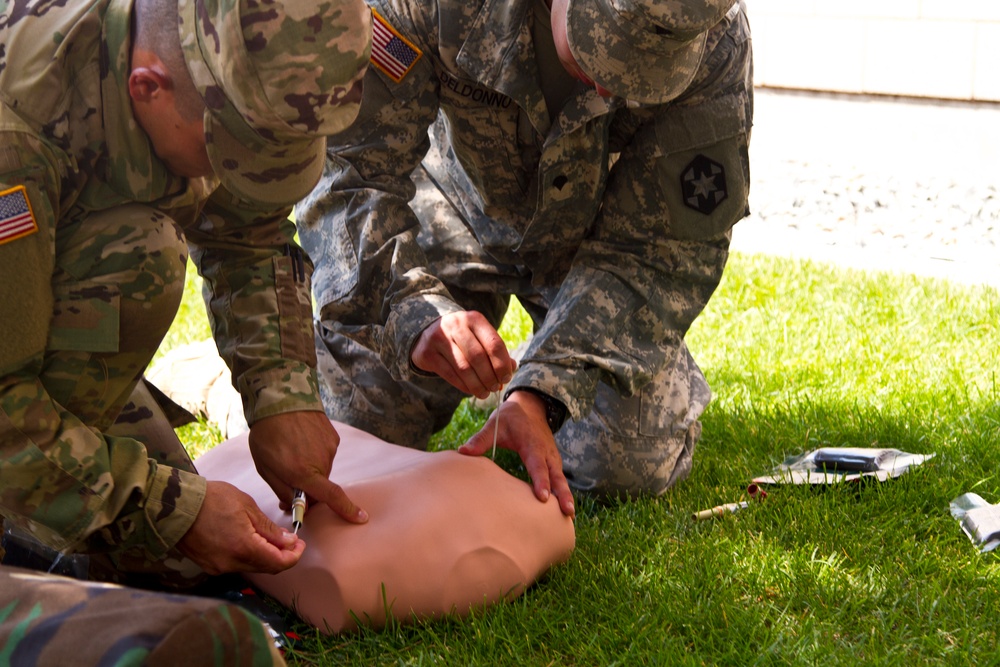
{"points": [[154, 29]]}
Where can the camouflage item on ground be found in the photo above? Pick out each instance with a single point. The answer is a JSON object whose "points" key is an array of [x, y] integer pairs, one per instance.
{"points": [[51, 620], [92, 249], [609, 221]]}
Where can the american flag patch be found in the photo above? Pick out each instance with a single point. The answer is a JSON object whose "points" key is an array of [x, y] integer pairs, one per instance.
{"points": [[16, 218], [391, 52]]}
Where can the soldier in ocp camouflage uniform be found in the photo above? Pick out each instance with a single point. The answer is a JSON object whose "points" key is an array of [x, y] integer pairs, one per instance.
{"points": [[128, 127], [62, 621], [587, 156]]}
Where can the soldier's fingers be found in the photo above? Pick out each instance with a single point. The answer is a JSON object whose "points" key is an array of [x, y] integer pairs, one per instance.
{"points": [[441, 355], [455, 371], [481, 442], [498, 366], [464, 354], [266, 546], [481, 355], [544, 466], [560, 488], [264, 556], [334, 497], [270, 531], [461, 375], [538, 471], [473, 344]]}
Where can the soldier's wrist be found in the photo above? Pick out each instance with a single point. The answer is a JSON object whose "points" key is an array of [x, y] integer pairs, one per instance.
{"points": [[555, 410]]}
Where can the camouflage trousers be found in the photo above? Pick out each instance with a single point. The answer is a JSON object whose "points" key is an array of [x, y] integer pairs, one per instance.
{"points": [[638, 445], [118, 282], [51, 620]]}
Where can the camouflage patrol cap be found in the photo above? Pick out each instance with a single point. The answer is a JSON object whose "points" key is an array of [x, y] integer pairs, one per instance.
{"points": [[277, 77], [643, 50]]}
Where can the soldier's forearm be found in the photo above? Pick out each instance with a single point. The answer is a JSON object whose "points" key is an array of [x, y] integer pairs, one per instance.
{"points": [[75, 488]]}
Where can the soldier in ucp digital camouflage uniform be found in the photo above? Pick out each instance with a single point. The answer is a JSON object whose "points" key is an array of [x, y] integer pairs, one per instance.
{"points": [[587, 156], [126, 127]]}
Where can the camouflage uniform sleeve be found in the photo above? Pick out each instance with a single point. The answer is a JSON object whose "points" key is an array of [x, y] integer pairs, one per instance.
{"points": [[357, 224], [61, 479], [256, 289], [658, 246]]}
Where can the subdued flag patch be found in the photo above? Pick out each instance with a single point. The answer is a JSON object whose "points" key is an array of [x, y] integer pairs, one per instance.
{"points": [[16, 218], [391, 52]]}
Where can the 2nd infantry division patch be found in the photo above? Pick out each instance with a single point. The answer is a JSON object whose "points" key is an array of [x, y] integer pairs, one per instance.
{"points": [[391, 52], [16, 218]]}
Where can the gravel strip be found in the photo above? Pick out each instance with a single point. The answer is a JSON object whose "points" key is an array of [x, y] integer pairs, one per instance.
{"points": [[876, 184]]}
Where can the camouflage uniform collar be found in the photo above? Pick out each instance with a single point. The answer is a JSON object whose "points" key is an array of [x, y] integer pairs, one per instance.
{"points": [[504, 26], [131, 169], [584, 108]]}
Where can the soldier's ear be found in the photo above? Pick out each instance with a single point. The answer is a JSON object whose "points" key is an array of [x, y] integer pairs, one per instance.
{"points": [[147, 83]]}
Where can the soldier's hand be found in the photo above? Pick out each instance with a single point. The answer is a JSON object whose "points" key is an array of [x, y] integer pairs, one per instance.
{"points": [[231, 534], [465, 350], [524, 430], [295, 450]]}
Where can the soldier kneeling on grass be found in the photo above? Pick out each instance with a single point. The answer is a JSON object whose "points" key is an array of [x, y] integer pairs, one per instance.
{"points": [[130, 129], [588, 157]]}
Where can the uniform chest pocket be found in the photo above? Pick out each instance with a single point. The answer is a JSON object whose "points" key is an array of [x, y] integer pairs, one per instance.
{"points": [[481, 127]]}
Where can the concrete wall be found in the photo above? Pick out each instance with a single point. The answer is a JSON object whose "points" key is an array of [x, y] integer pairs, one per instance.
{"points": [[926, 48]]}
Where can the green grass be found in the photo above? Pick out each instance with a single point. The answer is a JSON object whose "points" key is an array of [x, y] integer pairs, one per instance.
{"points": [[799, 355]]}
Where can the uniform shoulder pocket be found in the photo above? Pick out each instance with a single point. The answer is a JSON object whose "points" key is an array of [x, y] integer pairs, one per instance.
{"points": [[704, 167], [85, 318]]}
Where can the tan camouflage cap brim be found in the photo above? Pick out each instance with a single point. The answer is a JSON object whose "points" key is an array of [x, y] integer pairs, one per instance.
{"points": [[645, 51], [278, 174], [276, 78]]}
